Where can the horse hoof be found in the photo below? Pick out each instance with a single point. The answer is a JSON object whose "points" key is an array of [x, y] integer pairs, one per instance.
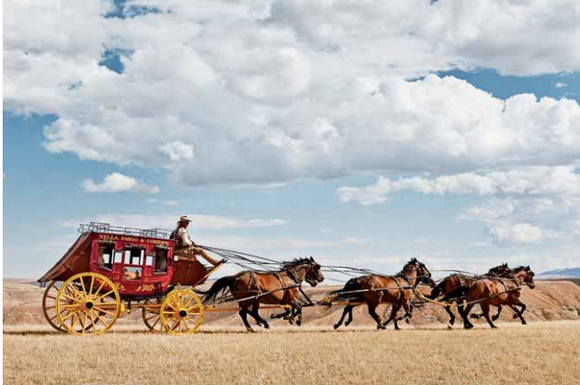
{"points": [[524, 323], [336, 326], [250, 330], [266, 326]]}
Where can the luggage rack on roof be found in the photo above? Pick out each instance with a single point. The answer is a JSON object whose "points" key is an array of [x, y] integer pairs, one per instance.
{"points": [[99, 227]]}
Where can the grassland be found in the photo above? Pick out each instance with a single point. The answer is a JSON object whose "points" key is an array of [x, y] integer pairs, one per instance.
{"points": [[539, 353]]}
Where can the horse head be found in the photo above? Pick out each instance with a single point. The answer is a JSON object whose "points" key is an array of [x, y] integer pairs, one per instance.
{"points": [[423, 274], [526, 274], [313, 274], [312, 270]]}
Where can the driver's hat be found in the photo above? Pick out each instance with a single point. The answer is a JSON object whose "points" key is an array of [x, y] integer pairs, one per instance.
{"points": [[185, 218]]}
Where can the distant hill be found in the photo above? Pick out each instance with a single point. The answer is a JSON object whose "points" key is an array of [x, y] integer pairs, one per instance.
{"points": [[549, 301], [561, 273]]}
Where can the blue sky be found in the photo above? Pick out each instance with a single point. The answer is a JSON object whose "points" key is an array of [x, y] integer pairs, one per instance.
{"points": [[302, 143]]}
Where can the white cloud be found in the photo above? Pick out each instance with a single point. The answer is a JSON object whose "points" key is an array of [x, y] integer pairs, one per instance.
{"points": [[508, 234], [528, 205], [357, 241], [115, 183], [166, 202], [302, 89], [560, 85], [533, 180], [200, 221]]}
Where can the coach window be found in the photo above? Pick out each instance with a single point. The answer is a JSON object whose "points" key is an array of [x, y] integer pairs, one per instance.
{"points": [[160, 260], [106, 251], [134, 255]]}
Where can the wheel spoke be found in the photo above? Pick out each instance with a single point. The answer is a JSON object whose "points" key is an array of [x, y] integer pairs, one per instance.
{"points": [[84, 324], [83, 285], [100, 287], [68, 315], [76, 291], [92, 282], [155, 323], [196, 306], [100, 319], [104, 311], [74, 321], [188, 302], [104, 295], [69, 298]]}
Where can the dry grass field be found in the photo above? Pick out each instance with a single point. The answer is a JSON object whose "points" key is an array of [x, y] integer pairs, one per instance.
{"points": [[539, 353]]}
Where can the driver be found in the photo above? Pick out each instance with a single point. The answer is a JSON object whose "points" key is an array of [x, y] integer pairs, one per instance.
{"points": [[185, 247]]}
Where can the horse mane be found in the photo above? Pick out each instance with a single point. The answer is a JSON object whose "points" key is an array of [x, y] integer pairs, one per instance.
{"points": [[495, 268], [295, 262], [519, 268], [412, 261]]}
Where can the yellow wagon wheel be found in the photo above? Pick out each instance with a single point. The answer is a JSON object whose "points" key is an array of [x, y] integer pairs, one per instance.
{"points": [[150, 314], [88, 304], [49, 305], [182, 312]]}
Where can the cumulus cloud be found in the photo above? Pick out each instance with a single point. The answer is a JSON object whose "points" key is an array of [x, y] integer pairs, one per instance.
{"points": [[525, 205], [302, 89], [115, 183], [532, 180], [519, 233]]}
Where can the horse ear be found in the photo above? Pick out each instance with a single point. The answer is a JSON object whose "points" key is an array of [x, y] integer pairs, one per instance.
{"points": [[312, 259]]}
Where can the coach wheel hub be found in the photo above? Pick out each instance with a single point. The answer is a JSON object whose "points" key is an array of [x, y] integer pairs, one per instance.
{"points": [[182, 313], [87, 305]]}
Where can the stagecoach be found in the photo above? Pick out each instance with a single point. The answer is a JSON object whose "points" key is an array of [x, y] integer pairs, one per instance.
{"points": [[110, 270]]}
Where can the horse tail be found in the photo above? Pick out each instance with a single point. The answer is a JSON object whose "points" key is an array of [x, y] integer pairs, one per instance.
{"points": [[219, 286], [345, 293], [457, 293], [437, 290]]}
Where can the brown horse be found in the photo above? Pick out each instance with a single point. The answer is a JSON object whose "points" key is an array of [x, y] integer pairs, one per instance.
{"points": [[498, 292], [455, 286], [282, 287], [378, 289]]}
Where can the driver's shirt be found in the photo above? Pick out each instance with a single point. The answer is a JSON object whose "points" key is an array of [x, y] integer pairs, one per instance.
{"points": [[182, 237]]}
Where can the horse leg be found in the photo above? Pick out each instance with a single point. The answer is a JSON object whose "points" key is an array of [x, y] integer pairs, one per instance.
{"points": [[408, 312], [394, 315], [521, 312], [465, 315], [256, 314], [287, 313], [299, 315], [451, 315], [244, 315], [344, 313], [372, 311], [349, 320], [485, 309], [495, 317], [518, 313]]}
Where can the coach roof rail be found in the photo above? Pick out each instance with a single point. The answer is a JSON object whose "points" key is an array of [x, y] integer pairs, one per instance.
{"points": [[101, 227]]}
